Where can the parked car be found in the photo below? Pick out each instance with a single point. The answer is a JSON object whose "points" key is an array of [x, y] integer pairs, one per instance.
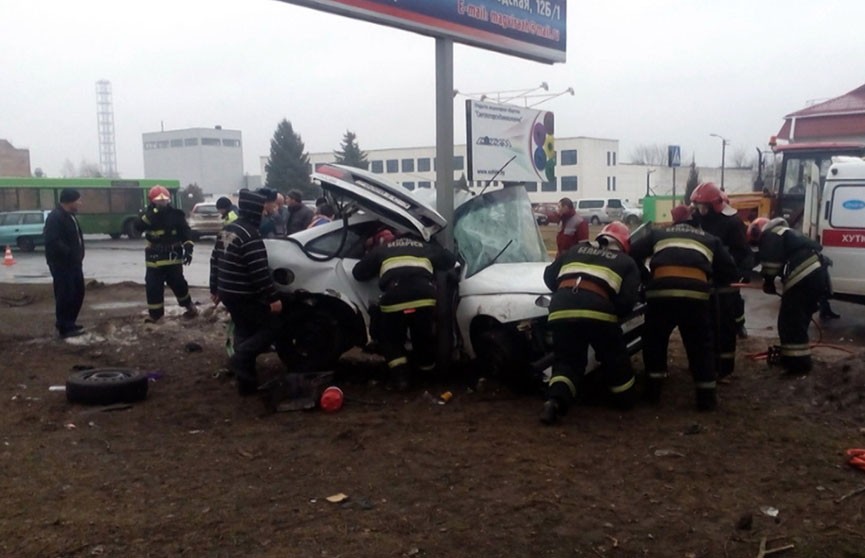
{"points": [[205, 220], [492, 307], [23, 229], [605, 210], [541, 218], [551, 210], [632, 214]]}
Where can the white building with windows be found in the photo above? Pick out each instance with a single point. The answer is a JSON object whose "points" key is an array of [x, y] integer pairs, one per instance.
{"points": [[586, 167], [212, 158]]}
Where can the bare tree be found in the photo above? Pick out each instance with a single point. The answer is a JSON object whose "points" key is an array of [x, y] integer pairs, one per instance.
{"points": [[655, 154], [67, 170], [89, 169], [741, 159]]}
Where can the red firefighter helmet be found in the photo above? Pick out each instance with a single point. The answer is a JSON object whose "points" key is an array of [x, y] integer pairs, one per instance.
{"points": [[619, 232], [383, 236], [708, 193], [755, 230], [680, 213], [331, 399], [158, 193]]}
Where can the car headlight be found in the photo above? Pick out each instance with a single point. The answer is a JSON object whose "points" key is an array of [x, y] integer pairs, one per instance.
{"points": [[283, 276]]}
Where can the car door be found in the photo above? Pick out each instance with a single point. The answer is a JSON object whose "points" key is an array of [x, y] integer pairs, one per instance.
{"points": [[392, 203], [10, 224]]}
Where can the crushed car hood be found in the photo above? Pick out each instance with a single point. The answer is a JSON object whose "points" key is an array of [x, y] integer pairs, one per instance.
{"points": [[510, 278]]}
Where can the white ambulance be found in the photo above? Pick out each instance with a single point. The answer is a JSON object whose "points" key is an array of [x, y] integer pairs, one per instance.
{"points": [[835, 216]]}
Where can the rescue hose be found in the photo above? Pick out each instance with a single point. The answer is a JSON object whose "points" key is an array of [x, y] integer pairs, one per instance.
{"points": [[763, 355], [317, 258]]}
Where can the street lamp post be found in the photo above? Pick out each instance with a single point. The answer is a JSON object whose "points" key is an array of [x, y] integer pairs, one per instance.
{"points": [[648, 174], [724, 142]]}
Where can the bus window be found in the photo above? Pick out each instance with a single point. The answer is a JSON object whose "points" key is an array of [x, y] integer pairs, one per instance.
{"points": [[46, 198], [126, 200], [93, 200], [8, 199]]}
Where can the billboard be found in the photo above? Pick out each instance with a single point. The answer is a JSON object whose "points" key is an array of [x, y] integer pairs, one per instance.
{"points": [[533, 29], [509, 143]]}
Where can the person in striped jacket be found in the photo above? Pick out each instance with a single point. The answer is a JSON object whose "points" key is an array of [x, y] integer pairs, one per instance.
{"points": [[686, 263], [787, 253], [594, 285], [405, 269], [240, 279]]}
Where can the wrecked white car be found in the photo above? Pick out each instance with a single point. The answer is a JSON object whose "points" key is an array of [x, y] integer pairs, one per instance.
{"points": [[491, 307]]}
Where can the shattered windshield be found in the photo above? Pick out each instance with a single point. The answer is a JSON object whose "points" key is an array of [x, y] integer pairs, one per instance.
{"points": [[498, 227]]}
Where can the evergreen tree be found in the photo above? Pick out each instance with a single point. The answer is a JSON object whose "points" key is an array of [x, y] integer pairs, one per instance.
{"points": [[191, 195], [350, 153], [693, 181], [288, 165]]}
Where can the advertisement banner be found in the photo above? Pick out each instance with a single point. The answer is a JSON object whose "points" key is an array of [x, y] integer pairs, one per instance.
{"points": [[533, 29], [509, 143]]}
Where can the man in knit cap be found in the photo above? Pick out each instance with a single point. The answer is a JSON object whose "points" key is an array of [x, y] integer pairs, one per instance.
{"points": [[240, 279]]}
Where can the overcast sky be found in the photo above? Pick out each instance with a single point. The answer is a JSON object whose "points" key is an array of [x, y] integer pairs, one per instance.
{"points": [[661, 72]]}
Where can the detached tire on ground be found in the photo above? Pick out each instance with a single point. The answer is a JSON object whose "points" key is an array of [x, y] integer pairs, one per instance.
{"points": [[106, 386]]}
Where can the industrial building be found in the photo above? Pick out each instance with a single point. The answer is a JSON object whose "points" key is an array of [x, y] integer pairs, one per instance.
{"points": [[211, 158]]}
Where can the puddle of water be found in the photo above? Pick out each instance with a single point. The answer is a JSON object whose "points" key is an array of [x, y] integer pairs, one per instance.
{"points": [[114, 305]]}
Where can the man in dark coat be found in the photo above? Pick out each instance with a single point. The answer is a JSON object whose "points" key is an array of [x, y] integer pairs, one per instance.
{"points": [[299, 215], [64, 251]]}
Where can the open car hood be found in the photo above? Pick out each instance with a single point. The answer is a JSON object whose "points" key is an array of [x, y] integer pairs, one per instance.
{"points": [[373, 194]]}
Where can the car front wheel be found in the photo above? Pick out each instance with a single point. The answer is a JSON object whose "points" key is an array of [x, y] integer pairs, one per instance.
{"points": [[130, 230], [319, 340], [501, 355], [26, 244]]}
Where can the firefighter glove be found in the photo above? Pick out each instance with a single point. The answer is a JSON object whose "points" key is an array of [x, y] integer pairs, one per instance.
{"points": [[187, 255], [769, 285]]}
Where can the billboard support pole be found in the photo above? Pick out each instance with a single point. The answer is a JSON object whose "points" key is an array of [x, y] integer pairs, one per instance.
{"points": [[445, 137]]}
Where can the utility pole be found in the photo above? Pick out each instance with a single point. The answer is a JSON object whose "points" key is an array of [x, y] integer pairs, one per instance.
{"points": [[724, 142]]}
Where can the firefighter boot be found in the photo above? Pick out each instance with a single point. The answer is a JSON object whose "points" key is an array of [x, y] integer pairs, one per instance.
{"points": [[797, 366], [707, 399], [551, 412], [652, 393], [400, 378], [191, 311]]}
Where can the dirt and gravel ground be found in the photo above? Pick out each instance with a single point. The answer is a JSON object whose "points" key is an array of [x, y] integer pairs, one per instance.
{"points": [[195, 470]]}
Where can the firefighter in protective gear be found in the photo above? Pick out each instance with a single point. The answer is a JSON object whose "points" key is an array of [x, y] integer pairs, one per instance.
{"points": [[685, 264], [168, 248], [405, 269], [594, 285], [796, 258], [715, 216]]}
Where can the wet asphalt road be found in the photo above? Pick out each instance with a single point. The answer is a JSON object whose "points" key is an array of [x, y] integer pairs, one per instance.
{"points": [[115, 261], [108, 261]]}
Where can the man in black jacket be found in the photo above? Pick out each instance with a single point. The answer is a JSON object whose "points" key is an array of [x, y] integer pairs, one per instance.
{"points": [[405, 267], [240, 279], [64, 251], [299, 215], [169, 247]]}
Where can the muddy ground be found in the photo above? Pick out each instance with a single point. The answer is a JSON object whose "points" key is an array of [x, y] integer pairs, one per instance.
{"points": [[195, 470]]}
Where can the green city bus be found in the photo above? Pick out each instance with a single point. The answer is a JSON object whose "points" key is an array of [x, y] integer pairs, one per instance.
{"points": [[109, 206]]}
